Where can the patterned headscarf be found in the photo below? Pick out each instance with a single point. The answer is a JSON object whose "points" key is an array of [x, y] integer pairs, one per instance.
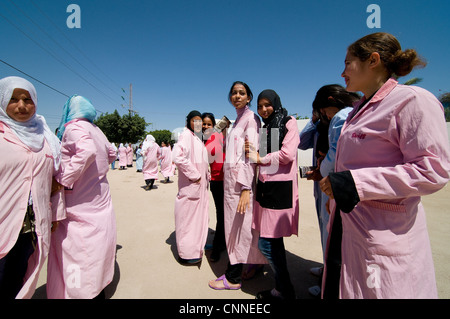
{"points": [[76, 107]]}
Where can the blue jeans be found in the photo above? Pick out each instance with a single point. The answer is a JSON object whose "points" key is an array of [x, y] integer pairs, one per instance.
{"points": [[273, 249]]}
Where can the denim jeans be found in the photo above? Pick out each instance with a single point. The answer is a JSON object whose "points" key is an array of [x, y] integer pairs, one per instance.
{"points": [[273, 249]]}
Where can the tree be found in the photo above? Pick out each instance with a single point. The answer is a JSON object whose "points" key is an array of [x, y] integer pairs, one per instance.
{"points": [[413, 81], [125, 129], [109, 124], [162, 136], [445, 100]]}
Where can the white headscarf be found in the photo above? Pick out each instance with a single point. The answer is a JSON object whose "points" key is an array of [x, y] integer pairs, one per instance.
{"points": [[32, 132], [149, 141]]}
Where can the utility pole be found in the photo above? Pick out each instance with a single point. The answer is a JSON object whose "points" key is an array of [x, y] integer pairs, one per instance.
{"points": [[130, 110]]}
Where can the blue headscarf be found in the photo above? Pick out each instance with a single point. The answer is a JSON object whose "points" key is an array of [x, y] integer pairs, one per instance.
{"points": [[76, 107]]}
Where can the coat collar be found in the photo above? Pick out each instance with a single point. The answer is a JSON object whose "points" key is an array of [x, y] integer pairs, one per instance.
{"points": [[379, 96]]}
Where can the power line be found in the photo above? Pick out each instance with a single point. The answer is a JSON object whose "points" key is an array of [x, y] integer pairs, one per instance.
{"points": [[74, 45], [53, 55], [32, 77]]}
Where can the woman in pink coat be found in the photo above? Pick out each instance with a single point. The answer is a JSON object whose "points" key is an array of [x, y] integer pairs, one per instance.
{"points": [[129, 152], [239, 177], [82, 252], [151, 153], [192, 201], [275, 211], [30, 158], [392, 150], [166, 161], [122, 156]]}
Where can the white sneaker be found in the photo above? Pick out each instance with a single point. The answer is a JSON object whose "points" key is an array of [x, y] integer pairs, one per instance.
{"points": [[317, 271]]}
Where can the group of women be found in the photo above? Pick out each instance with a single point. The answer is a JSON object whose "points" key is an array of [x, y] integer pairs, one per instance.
{"points": [[55, 200], [391, 149], [383, 151]]}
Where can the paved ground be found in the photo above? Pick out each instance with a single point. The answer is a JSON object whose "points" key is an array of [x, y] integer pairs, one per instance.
{"points": [[146, 266]]}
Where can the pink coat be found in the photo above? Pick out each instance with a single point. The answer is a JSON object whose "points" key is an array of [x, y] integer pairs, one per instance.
{"points": [[192, 201], [82, 252], [122, 156], [239, 173], [23, 170], [166, 161], [397, 150], [129, 155], [151, 157], [280, 166]]}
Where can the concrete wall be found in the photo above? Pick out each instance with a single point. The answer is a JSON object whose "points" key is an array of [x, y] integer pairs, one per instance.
{"points": [[304, 157], [448, 130]]}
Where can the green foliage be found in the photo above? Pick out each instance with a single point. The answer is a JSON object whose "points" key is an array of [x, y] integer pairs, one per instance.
{"points": [[445, 100], [162, 136], [125, 129]]}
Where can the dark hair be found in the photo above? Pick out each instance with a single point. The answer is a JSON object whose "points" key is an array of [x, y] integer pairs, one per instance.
{"points": [[247, 88], [396, 61], [210, 116], [334, 95], [192, 114]]}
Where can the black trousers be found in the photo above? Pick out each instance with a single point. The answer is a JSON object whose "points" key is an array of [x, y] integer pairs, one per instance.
{"points": [[333, 276], [234, 273], [217, 193], [14, 265]]}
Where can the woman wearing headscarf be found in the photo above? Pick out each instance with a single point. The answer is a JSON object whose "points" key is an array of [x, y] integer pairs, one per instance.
{"points": [[29, 203], [139, 158], [166, 161], [82, 252], [113, 164], [192, 201], [129, 155], [151, 153], [239, 183], [122, 156], [276, 207]]}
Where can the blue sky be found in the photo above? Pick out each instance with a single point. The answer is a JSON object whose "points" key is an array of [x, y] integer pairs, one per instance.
{"points": [[184, 55]]}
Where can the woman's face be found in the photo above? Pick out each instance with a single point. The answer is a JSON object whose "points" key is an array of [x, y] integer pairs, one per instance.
{"points": [[265, 108], [196, 124], [207, 126], [355, 73], [21, 107], [239, 97]]}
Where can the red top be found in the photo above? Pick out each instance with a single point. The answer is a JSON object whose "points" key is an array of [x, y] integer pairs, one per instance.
{"points": [[216, 155]]}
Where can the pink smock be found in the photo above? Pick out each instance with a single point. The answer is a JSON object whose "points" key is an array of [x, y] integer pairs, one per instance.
{"points": [[151, 157], [280, 166], [82, 252], [130, 155], [23, 171], [397, 150], [192, 201], [239, 174], [166, 162], [122, 156]]}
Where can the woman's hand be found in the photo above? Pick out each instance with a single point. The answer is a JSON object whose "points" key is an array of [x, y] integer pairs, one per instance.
{"points": [[325, 186], [244, 201], [56, 187], [251, 153]]}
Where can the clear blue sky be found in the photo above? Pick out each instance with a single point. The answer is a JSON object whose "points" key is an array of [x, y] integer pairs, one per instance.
{"points": [[184, 55]]}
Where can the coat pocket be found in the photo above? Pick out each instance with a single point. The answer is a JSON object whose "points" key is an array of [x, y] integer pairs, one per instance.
{"points": [[191, 191]]}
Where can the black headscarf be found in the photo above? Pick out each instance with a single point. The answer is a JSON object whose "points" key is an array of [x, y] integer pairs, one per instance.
{"points": [[189, 117], [277, 120]]}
